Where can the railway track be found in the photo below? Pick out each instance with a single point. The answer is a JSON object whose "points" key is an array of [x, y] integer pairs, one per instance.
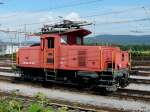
{"points": [[133, 80], [140, 81], [135, 70], [136, 94], [121, 93]]}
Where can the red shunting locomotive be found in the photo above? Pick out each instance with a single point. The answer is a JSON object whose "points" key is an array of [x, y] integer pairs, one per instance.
{"points": [[61, 56]]}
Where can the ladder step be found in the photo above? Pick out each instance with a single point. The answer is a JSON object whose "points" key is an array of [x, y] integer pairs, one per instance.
{"points": [[106, 76], [50, 76]]}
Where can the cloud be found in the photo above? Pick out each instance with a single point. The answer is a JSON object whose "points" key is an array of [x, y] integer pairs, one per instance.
{"points": [[16, 20], [73, 16], [34, 20], [47, 17]]}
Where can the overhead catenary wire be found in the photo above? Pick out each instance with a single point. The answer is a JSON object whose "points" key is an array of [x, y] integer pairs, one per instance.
{"points": [[76, 4], [115, 12], [89, 16], [146, 12], [97, 15], [1, 3], [59, 7], [106, 23], [84, 3], [11, 31], [125, 21]]}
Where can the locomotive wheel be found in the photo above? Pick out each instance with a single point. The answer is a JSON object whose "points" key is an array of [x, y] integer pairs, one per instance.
{"points": [[124, 81]]}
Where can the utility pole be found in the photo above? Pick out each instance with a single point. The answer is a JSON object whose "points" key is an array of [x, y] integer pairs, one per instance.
{"points": [[19, 42], [146, 12], [25, 30]]}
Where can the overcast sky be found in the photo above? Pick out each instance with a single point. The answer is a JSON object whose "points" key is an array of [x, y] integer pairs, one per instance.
{"points": [[110, 16]]}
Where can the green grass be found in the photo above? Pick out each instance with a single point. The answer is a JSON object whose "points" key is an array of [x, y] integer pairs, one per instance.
{"points": [[40, 104]]}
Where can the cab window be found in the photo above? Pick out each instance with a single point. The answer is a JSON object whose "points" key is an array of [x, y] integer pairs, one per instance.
{"points": [[78, 40], [50, 42], [64, 39]]}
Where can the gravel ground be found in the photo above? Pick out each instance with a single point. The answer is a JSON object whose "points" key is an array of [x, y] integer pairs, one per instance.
{"points": [[131, 86], [143, 71], [9, 74], [140, 77], [97, 100], [9, 68], [141, 67], [141, 87]]}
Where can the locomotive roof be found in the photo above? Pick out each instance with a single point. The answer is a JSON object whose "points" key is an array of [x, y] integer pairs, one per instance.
{"points": [[67, 27], [80, 32]]}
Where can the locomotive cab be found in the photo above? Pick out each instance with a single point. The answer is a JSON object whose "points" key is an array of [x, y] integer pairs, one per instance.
{"points": [[74, 37], [51, 45]]}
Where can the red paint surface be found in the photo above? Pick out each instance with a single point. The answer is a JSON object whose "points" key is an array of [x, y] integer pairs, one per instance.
{"points": [[71, 56]]}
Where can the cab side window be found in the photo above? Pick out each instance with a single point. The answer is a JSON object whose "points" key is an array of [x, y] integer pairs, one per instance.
{"points": [[78, 41], [50, 42], [64, 39]]}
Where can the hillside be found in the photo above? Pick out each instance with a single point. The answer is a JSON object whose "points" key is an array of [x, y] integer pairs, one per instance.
{"points": [[119, 39]]}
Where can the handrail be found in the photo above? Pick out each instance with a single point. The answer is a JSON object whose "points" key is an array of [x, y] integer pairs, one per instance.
{"points": [[101, 52], [55, 64], [54, 58], [112, 61], [130, 59], [43, 55]]}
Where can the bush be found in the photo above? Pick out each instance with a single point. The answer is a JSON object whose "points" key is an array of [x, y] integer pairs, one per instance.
{"points": [[39, 104]]}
